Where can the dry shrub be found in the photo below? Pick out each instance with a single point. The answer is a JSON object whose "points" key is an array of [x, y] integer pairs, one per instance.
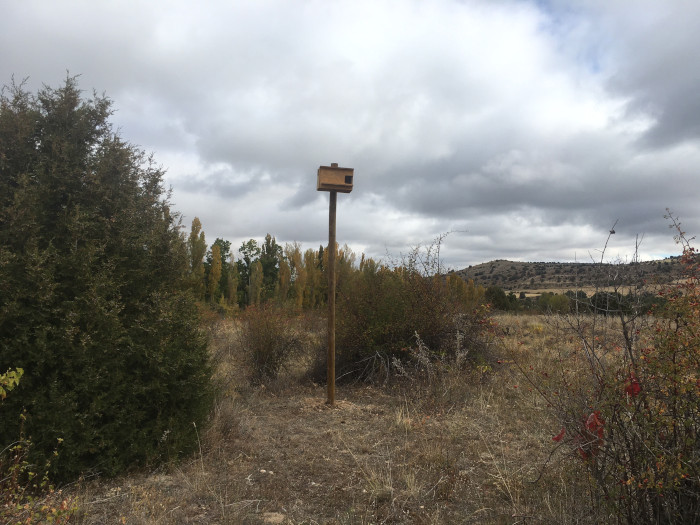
{"points": [[270, 337], [625, 389], [383, 312]]}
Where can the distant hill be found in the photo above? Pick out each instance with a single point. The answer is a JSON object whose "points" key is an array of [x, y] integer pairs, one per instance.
{"points": [[552, 276]]}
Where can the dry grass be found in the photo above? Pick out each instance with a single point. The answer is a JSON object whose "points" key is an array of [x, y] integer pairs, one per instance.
{"points": [[466, 447]]}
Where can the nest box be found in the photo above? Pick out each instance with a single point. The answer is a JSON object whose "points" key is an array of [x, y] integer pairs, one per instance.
{"points": [[333, 178]]}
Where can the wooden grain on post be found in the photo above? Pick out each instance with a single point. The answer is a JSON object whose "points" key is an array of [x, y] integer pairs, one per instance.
{"points": [[331, 300]]}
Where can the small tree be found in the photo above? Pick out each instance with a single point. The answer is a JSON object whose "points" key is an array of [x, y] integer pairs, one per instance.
{"points": [[497, 298]]}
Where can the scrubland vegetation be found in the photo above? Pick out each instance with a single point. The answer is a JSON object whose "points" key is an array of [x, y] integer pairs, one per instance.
{"points": [[151, 378]]}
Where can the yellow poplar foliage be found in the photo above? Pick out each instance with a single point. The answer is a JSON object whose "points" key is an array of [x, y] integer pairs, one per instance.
{"points": [[256, 281], [214, 273]]}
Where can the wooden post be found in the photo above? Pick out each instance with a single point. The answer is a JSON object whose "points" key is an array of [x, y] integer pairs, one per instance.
{"points": [[332, 179], [331, 300]]}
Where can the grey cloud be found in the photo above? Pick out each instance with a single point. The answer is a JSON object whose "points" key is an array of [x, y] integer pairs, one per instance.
{"points": [[221, 187], [525, 127], [655, 50]]}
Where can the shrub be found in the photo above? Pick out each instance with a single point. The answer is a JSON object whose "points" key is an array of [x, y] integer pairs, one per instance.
{"points": [[380, 310], [92, 299], [628, 399], [270, 338]]}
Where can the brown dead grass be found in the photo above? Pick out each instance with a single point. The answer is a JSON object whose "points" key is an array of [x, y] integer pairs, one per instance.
{"points": [[464, 447]]}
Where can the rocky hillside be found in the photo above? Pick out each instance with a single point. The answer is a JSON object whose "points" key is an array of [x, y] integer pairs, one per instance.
{"points": [[523, 276]]}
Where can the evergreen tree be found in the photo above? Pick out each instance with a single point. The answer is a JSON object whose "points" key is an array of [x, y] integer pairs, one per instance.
{"points": [[320, 258], [250, 251], [94, 305], [496, 297], [269, 259]]}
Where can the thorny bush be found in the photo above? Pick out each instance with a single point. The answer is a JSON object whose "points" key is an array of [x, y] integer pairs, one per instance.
{"points": [[629, 404]]}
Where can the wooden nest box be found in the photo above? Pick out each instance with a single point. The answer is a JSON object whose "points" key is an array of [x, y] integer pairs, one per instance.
{"points": [[333, 178]]}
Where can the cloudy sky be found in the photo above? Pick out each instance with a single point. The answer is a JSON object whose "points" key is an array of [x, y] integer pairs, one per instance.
{"points": [[524, 128]]}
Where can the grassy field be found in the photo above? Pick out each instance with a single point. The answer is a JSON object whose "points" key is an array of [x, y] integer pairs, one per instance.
{"points": [[452, 446]]}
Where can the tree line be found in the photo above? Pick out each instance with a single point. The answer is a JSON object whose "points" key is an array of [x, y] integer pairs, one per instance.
{"points": [[573, 301], [286, 275], [262, 272]]}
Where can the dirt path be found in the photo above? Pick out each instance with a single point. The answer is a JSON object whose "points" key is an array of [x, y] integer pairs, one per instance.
{"points": [[409, 456]]}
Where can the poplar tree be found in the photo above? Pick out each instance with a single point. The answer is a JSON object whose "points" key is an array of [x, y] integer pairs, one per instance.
{"points": [[256, 283], [250, 252], [269, 259], [285, 280], [312, 290], [197, 249], [292, 253], [214, 276], [226, 262], [231, 290]]}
